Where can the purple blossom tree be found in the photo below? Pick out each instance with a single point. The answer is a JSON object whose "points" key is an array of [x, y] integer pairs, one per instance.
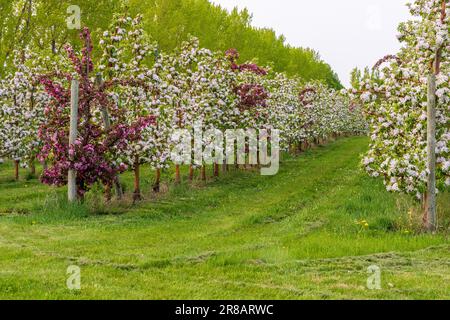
{"points": [[96, 150]]}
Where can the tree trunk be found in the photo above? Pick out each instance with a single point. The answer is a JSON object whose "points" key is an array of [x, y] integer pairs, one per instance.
{"points": [[137, 184], [216, 170], [157, 184], [300, 147], [108, 195], [203, 173], [44, 165], [224, 166], [118, 188], [107, 124], [53, 46], [191, 173], [177, 174], [423, 205], [32, 168], [16, 169]]}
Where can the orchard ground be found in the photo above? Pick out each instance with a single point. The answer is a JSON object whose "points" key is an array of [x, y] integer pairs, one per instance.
{"points": [[300, 234]]}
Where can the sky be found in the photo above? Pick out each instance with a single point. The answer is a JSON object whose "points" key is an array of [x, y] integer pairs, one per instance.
{"points": [[346, 33]]}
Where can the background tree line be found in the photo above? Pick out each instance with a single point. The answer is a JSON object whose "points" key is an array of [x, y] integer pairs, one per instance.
{"points": [[42, 24]]}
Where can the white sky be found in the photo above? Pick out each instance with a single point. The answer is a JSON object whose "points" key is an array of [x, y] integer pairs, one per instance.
{"points": [[347, 33]]}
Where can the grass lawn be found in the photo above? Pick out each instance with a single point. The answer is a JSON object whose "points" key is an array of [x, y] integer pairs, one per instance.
{"points": [[243, 236]]}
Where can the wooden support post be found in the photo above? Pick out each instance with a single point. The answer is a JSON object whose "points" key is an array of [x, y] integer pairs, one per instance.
{"points": [[430, 214], [430, 197], [73, 132]]}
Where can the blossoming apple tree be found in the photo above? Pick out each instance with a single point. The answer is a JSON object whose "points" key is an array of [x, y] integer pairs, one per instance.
{"points": [[95, 152], [22, 109], [396, 103]]}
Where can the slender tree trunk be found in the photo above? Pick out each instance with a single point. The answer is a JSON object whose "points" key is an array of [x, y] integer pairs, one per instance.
{"points": [[203, 173], [16, 169], [107, 124], [423, 206], [108, 195], [157, 184], [44, 165], [216, 170], [224, 166], [177, 174], [118, 188], [32, 168], [300, 147], [137, 184], [180, 125], [191, 172]]}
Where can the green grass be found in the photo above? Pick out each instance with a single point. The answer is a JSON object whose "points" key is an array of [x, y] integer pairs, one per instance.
{"points": [[243, 236]]}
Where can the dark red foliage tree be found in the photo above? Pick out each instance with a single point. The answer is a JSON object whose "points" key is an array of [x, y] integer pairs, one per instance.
{"points": [[96, 150], [251, 95]]}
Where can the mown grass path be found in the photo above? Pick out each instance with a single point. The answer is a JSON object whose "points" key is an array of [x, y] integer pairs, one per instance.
{"points": [[290, 236]]}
